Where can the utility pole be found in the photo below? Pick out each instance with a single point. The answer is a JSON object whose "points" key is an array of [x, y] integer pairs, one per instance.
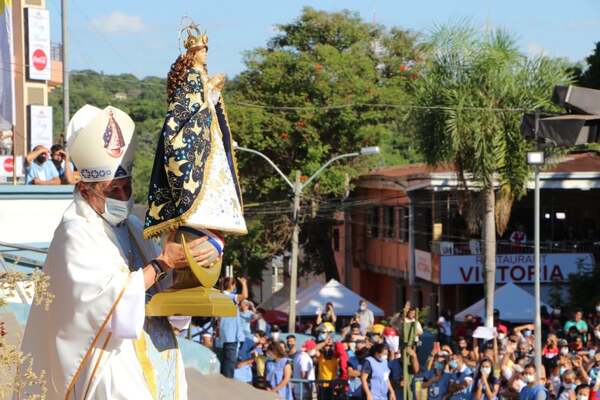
{"points": [[538, 317], [65, 42], [295, 250], [347, 237], [297, 187], [536, 245]]}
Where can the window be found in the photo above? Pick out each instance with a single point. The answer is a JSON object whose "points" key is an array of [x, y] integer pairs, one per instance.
{"points": [[373, 223], [336, 239], [389, 222], [403, 224]]}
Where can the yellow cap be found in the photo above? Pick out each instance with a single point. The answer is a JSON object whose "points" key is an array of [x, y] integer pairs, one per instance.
{"points": [[378, 329]]}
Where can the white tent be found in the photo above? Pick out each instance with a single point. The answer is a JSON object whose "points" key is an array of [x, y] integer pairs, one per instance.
{"points": [[514, 303], [344, 300]]}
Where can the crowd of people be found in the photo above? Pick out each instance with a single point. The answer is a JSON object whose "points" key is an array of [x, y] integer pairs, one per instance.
{"points": [[50, 167], [357, 357]]}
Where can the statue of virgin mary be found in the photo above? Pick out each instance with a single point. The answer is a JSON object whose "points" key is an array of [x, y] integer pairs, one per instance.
{"points": [[194, 185]]}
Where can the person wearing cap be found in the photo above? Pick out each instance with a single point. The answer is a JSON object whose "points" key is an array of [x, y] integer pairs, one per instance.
{"points": [[444, 330], [500, 326], [304, 368], [247, 315], [94, 341]]}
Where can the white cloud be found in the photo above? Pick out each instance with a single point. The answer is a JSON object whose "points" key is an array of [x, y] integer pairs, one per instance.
{"points": [[118, 22], [534, 49]]}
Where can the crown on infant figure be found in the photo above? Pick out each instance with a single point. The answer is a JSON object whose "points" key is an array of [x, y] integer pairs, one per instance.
{"points": [[195, 38]]}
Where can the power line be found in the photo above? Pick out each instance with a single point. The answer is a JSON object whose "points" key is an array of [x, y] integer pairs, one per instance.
{"points": [[376, 105]]}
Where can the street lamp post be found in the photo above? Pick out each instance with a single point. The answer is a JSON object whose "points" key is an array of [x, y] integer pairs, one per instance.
{"points": [[536, 159], [297, 188]]}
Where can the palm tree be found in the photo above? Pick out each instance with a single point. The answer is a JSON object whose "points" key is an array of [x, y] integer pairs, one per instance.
{"points": [[471, 94]]}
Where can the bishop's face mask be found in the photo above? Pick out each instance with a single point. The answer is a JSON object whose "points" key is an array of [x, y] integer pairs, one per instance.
{"points": [[115, 211]]}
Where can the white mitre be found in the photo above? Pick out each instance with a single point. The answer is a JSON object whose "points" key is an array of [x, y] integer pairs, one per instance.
{"points": [[101, 143]]}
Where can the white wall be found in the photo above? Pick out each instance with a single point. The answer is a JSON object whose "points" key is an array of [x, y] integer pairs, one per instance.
{"points": [[30, 220]]}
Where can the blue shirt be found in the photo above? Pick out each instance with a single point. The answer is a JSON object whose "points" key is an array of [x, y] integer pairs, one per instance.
{"points": [[230, 328], [531, 393], [354, 384], [244, 373], [61, 170], [439, 389], [459, 377], [275, 372], [245, 321], [45, 172]]}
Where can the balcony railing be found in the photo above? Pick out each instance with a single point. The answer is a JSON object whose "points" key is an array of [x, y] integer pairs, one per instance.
{"points": [[473, 247], [56, 51]]}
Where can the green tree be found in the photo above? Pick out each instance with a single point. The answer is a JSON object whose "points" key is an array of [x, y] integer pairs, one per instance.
{"points": [[477, 85], [591, 76], [305, 78], [583, 287]]}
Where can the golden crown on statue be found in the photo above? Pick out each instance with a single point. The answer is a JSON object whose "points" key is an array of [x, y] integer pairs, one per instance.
{"points": [[195, 38]]}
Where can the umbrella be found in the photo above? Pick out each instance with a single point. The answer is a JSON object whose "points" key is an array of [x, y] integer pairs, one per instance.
{"points": [[276, 317]]}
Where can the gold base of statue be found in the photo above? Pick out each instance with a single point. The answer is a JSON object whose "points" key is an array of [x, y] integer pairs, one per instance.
{"points": [[196, 301], [192, 293]]}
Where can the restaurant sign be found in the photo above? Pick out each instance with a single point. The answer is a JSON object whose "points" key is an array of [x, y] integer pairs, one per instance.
{"points": [[516, 268]]}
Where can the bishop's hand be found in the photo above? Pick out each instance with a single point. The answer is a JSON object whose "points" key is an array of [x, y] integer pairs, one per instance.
{"points": [[173, 256]]}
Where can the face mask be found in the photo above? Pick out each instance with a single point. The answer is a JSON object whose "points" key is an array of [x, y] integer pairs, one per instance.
{"points": [[116, 211], [438, 365], [486, 371], [529, 378], [597, 334], [255, 339], [564, 351], [321, 337], [352, 346], [363, 307], [501, 336], [527, 333], [275, 336], [41, 159], [453, 364], [582, 397], [393, 343], [312, 353], [384, 357], [592, 352], [507, 373], [562, 370], [570, 386]]}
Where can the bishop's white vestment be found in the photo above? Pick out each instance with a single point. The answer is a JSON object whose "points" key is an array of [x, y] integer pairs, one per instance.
{"points": [[94, 342]]}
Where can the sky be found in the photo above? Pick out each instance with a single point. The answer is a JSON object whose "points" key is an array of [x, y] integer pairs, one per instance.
{"points": [[141, 37]]}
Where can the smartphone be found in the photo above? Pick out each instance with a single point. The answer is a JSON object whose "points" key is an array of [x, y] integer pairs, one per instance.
{"points": [[436, 347]]}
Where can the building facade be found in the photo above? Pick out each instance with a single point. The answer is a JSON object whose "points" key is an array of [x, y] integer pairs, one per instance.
{"points": [[408, 234]]}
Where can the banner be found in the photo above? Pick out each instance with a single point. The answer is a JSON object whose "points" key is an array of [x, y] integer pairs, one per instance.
{"points": [[7, 165], [423, 268], [40, 126], [516, 268], [7, 94], [38, 42]]}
